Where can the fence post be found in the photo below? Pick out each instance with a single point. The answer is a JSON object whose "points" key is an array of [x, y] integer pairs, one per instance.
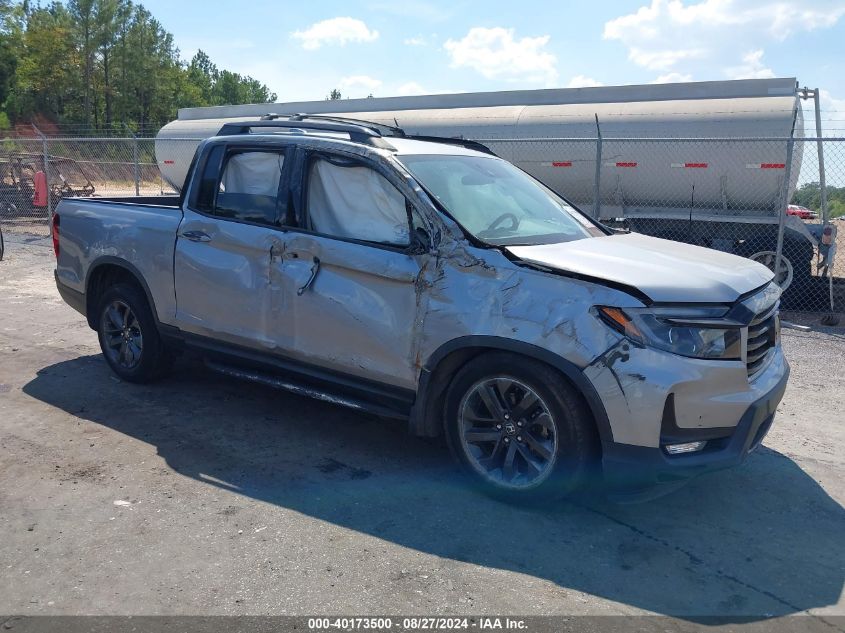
{"points": [[597, 190], [45, 150], [135, 160], [784, 203], [820, 149]]}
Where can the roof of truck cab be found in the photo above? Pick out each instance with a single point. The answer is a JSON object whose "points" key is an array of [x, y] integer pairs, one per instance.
{"points": [[399, 145], [405, 146]]}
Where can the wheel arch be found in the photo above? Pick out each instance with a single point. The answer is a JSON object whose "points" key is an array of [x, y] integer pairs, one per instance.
{"points": [[106, 271], [436, 374]]}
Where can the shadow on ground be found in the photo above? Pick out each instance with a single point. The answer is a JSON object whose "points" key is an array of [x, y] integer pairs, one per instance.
{"points": [[758, 541]]}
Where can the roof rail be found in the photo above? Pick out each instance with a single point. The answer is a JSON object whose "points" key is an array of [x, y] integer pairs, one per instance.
{"points": [[359, 131], [394, 130]]}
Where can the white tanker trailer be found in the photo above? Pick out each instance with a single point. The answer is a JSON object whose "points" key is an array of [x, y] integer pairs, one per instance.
{"points": [[706, 184]]}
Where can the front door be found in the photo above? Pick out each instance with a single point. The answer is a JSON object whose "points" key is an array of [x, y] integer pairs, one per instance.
{"points": [[350, 272]]}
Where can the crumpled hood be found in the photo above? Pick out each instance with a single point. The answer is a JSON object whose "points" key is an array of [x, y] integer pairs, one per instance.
{"points": [[665, 271]]}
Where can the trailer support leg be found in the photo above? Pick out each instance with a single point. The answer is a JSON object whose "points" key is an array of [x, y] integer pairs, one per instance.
{"points": [[784, 203]]}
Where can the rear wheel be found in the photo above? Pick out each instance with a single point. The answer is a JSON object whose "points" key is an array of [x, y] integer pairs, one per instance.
{"points": [[128, 335], [518, 428]]}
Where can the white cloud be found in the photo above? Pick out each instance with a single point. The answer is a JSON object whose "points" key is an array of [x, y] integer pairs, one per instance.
{"points": [[661, 59], [828, 104], [686, 35], [358, 85], [419, 40], [580, 81], [410, 89], [671, 78], [496, 54], [752, 67], [341, 30], [779, 19]]}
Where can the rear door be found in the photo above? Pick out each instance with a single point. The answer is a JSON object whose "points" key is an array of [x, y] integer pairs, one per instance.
{"points": [[231, 230], [349, 270]]}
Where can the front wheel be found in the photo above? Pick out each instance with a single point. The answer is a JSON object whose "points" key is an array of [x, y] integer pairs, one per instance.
{"points": [[128, 335], [519, 428]]}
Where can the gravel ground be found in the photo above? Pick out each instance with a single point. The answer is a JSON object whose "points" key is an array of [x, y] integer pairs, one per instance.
{"points": [[201, 495]]}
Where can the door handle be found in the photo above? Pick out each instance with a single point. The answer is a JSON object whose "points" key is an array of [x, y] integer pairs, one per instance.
{"points": [[196, 236], [314, 269]]}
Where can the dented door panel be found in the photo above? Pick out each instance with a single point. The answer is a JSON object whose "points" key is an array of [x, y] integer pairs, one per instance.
{"points": [[359, 313], [224, 286]]}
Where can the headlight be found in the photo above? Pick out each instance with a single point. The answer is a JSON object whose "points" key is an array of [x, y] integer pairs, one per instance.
{"points": [[694, 332]]}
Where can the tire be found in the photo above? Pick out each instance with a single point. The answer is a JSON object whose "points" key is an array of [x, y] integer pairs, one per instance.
{"points": [[2, 245], [801, 256], [552, 444], [128, 335]]}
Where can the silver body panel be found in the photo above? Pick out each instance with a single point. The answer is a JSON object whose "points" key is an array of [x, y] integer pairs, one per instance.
{"points": [[641, 262], [143, 236], [380, 314]]}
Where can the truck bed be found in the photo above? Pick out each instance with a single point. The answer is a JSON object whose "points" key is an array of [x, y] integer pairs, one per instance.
{"points": [[156, 201], [138, 233]]}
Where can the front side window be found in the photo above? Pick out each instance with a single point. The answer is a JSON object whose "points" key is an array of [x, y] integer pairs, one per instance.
{"points": [[249, 187], [349, 200], [496, 202]]}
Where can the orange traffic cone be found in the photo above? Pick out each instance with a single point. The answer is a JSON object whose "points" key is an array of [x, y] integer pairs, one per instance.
{"points": [[39, 199]]}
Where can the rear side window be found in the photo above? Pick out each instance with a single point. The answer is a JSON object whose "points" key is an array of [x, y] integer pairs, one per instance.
{"points": [[349, 200], [246, 189], [249, 187]]}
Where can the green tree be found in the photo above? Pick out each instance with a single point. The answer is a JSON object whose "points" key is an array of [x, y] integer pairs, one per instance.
{"points": [[47, 78], [10, 40], [83, 14], [105, 62], [810, 195]]}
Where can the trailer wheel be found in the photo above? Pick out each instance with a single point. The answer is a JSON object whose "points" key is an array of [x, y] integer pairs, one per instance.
{"points": [[784, 276]]}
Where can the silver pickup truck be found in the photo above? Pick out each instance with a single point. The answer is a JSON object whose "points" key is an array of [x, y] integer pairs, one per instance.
{"points": [[431, 281]]}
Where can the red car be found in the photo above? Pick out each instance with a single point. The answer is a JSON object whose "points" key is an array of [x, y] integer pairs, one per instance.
{"points": [[802, 212]]}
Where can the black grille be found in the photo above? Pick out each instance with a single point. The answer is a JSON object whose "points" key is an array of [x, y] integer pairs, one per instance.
{"points": [[762, 337]]}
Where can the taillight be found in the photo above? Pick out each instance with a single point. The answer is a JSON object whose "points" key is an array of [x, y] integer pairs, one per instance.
{"points": [[55, 233], [827, 236]]}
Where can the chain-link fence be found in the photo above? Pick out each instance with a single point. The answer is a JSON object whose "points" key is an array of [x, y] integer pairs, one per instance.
{"points": [[35, 174], [755, 197], [758, 198]]}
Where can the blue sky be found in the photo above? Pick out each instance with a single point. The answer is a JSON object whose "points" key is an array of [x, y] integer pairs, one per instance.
{"points": [[384, 47]]}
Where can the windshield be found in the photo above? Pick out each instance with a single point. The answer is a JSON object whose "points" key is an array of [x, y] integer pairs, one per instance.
{"points": [[498, 203]]}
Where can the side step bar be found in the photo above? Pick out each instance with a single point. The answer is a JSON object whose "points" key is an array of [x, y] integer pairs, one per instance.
{"points": [[300, 389]]}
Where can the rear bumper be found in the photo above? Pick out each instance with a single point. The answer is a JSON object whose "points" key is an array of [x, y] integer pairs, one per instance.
{"points": [[73, 298], [639, 473]]}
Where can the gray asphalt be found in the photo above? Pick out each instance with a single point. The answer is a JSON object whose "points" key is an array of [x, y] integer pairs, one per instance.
{"points": [[202, 495]]}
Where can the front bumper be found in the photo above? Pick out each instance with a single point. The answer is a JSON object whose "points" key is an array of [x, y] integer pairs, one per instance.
{"points": [[638, 473]]}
